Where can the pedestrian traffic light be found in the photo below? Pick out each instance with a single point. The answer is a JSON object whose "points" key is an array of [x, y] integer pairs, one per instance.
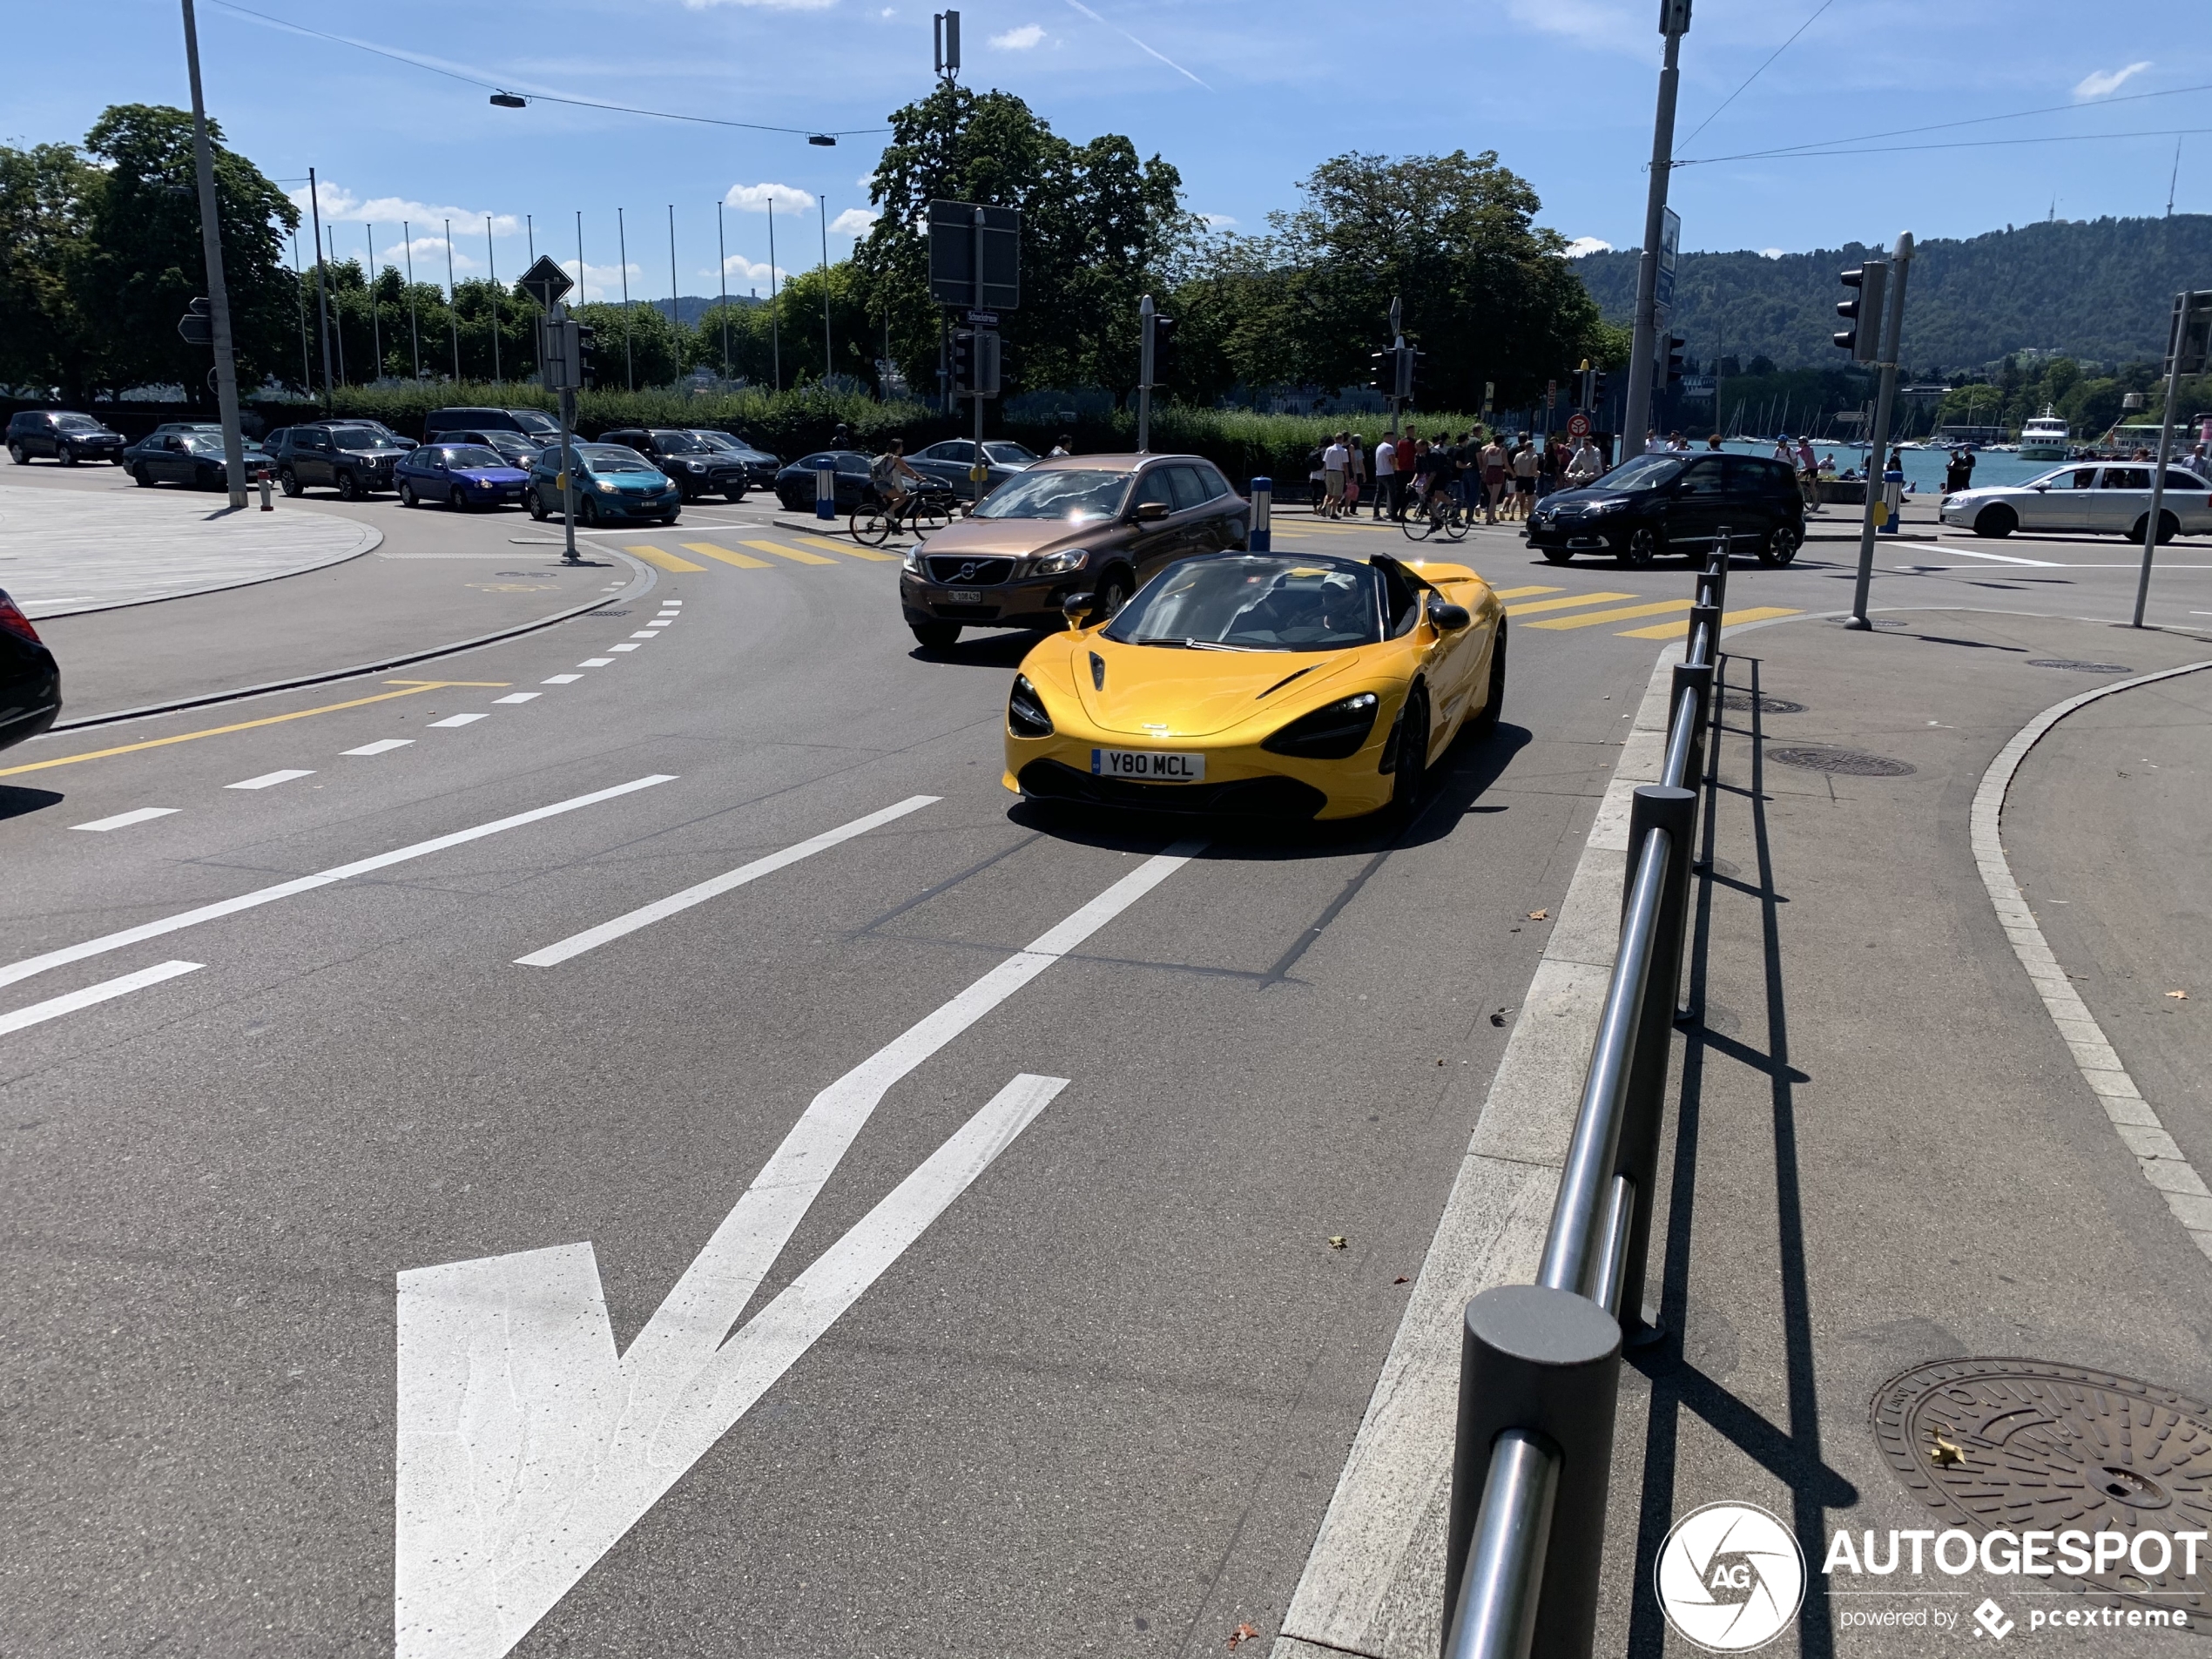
{"points": [[963, 361], [1383, 375], [587, 362], [1863, 340]]}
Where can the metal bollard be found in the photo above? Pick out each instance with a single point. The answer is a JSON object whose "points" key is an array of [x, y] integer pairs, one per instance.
{"points": [[1543, 1367], [1653, 806], [261, 477], [1261, 537], [1714, 580], [825, 492], [1699, 679]]}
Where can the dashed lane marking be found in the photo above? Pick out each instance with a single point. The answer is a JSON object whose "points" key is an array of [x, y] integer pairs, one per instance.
{"points": [[743, 561], [795, 555], [270, 779], [124, 820], [1523, 593], [381, 746], [458, 719], [519, 696], [626, 647], [411, 688], [1566, 604], [597, 662], [666, 561], [106, 990], [561, 680], [1624, 613], [1728, 619]]}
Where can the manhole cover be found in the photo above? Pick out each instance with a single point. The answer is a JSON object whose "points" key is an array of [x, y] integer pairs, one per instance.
{"points": [[2020, 1445], [2079, 668], [1746, 701], [1849, 762]]}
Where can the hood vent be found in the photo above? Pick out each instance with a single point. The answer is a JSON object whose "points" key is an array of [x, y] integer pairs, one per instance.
{"points": [[1097, 671]]}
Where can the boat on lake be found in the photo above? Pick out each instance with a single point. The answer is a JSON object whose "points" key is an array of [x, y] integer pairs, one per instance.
{"points": [[2047, 437]]}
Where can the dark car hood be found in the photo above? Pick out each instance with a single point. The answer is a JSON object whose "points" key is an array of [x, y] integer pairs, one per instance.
{"points": [[491, 474]]}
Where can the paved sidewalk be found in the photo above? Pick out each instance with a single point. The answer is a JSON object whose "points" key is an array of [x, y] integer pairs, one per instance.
{"points": [[65, 551]]}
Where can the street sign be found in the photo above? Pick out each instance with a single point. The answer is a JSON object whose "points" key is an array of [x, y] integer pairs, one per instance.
{"points": [[1578, 425], [197, 326], [545, 282], [1670, 244], [983, 319], [975, 255], [2188, 334]]}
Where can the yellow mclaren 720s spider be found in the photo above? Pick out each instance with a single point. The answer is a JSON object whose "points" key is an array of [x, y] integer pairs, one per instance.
{"points": [[1271, 686]]}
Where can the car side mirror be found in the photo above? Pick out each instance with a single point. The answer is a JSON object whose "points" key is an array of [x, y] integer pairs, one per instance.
{"points": [[2039, 489], [1076, 608], [1449, 619], [1151, 512]]}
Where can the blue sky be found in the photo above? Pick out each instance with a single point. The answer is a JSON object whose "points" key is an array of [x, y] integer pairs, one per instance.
{"points": [[1244, 99]]}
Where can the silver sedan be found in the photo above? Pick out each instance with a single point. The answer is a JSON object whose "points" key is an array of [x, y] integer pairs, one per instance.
{"points": [[2086, 498]]}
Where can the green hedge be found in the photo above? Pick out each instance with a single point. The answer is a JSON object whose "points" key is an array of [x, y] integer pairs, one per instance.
{"points": [[1242, 443]]}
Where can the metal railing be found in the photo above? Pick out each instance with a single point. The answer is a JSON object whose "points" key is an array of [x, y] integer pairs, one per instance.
{"points": [[1540, 1364]]}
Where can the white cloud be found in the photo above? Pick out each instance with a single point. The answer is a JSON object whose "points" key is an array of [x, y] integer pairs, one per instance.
{"points": [[428, 253], [605, 281], [739, 271], [855, 222], [340, 205], [2105, 82], [1218, 221], [1582, 245], [1020, 39], [1770, 253], [1593, 23], [754, 198]]}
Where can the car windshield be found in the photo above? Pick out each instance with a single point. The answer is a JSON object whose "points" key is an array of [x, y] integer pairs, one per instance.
{"points": [[472, 455], [361, 437], [1253, 602], [679, 443], [1079, 496], [1644, 472], [606, 457], [1009, 454], [77, 424], [536, 424], [716, 439], [206, 443]]}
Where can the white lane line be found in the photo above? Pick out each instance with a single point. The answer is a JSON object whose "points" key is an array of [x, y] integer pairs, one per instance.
{"points": [[381, 746], [1996, 558], [660, 909], [458, 719], [54, 1007], [672, 604], [715, 1288], [270, 779], [524, 1453], [562, 679], [622, 648], [597, 662], [519, 696], [643, 633], [106, 943], [124, 820]]}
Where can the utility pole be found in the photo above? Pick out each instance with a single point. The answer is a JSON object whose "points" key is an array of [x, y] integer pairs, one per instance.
{"points": [[722, 267], [622, 257], [452, 304], [672, 307], [1397, 347], [1145, 376], [1892, 326], [775, 337], [2185, 354], [299, 296], [1674, 23], [828, 362], [413, 325], [338, 314], [322, 287], [211, 242], [491, 264], [376, 328]]}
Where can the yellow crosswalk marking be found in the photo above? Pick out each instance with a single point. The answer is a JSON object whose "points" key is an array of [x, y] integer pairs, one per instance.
{"points": [[791, 553], [666, 561], [851, 550], [1522, 593], [743, 561], [1563, 604], [1623, 614], [1728, 619]]}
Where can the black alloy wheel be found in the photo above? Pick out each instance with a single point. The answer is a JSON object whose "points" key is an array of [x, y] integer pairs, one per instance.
{"points": [[140, 476], [936, 636], [1494, 705], [1996, 521], [349, 487], [1642, 548], [587, 511], [733, 492], [455, 500], [289, 480], [17, 455], [66, 456], [2169, 527], [407, 494], [1411, 769], [1113, 593], [537, 506], [1558, 555], [1781, 545]]}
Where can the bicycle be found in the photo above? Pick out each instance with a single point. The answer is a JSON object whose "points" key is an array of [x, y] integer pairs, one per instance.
{"points": [[1423, 519], [923, 513]]}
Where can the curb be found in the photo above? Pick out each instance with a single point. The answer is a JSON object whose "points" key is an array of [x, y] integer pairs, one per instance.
{"points": [[1371, 1584], [2162, 1162], [640, 585], [375, 540]]}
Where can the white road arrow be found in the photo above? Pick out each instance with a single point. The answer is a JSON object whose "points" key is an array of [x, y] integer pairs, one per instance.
{"points": [[527, 1446]]}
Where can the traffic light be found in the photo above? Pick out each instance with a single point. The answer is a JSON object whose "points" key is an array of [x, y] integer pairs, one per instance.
{"points": [[1163, 355], [1408, 362], [587, 361], [1673, 373], [976, 362], [1383, 377], [1863, 340], [1597, 391], [963, 365]]}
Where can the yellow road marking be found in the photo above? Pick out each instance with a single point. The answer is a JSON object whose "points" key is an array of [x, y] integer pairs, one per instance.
{"points": [[666, 561], [1620, 615], [413, 688], [1522, 593], [743, 561], [851, 550], [790, 553], [1562, 604], [1677, 630]]}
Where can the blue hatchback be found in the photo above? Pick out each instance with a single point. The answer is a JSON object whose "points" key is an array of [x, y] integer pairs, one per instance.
{"points": [[466, 475], [612, 483]]}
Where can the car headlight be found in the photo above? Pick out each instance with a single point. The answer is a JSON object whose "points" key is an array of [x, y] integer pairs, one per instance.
{"points": [[912, 565], [1025, 715], [1061, 563], [1333, 733], [606, 484], [1610, 504], [693, 466]]}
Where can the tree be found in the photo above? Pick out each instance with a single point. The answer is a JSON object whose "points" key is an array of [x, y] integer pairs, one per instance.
{"points": [[138, 262], [41, 190], [656, 353]]}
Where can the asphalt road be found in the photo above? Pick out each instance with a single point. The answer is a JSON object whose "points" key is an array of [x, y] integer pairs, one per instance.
{"points": [[1072, 1368]]}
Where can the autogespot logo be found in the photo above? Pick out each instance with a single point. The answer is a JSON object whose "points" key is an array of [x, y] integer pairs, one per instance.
{"points": [[1730, 1577]]}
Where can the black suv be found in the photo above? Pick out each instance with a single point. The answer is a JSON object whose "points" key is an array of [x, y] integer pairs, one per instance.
{"points": [[531, 423], [69, 438], [697, 466], [1676, 503], [354, 460]]}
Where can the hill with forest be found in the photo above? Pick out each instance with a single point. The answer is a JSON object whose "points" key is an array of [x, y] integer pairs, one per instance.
{"points": [[2096, 290]]}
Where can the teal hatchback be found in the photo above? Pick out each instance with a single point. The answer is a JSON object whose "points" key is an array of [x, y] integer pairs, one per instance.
{"points": [[613, 485]]}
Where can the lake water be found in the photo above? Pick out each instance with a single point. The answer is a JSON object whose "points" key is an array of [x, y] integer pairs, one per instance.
{"points": [[1922, 468]]}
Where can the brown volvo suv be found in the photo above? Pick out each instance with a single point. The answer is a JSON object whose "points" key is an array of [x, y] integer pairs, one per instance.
{"points": [[1096, 524]]}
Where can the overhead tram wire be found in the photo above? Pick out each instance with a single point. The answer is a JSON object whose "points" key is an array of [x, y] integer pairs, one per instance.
{"points": [[1958, 144], [1760, 70], [502, 92]]}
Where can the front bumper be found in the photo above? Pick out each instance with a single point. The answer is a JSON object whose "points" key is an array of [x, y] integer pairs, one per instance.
{"points": [[1034, 603], [1242, 779], [624, 505], [1580, 535]]}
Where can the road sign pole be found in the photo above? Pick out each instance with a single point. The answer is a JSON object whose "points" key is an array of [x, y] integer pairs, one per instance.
{"points": [[1674, 20], [2178, 351], [1892, 326], [1145, 376], [210, 241]]}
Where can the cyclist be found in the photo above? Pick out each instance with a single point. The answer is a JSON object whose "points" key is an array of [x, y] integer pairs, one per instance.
{"points": [[883, 474]]}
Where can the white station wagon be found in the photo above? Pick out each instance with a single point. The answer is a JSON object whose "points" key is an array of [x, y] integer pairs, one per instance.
{"points": [[2087, 498]]}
